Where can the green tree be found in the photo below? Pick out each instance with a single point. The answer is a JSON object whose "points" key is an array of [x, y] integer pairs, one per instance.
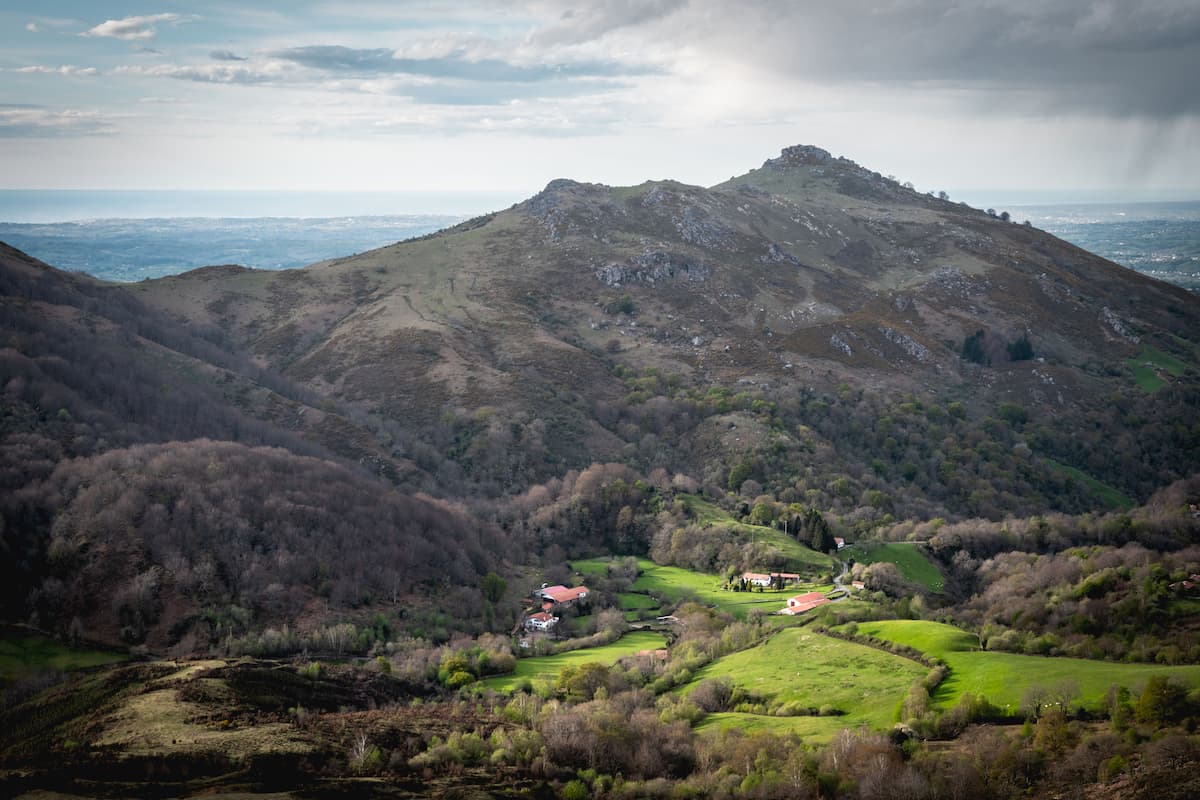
{"points": [[1160, 701], [493, 587], [1021, 349], [972, 349], [738, 475]]}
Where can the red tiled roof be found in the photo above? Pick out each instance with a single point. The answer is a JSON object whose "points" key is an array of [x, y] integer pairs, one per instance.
{"points": [[542, 616], [808, 605], [561, 594], [804, 602]]}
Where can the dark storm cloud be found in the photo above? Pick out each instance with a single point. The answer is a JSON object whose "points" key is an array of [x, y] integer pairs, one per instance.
{"points": [[382, 61], [1126, 58]]}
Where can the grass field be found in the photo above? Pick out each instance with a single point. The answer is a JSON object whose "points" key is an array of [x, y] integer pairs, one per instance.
{"points": [[800, 558], [911, 562], [1146, 364], [798, 665], [543, 668], [815, 729], [23, 653], [1112, 497], [1003, 678], [672, 583]]}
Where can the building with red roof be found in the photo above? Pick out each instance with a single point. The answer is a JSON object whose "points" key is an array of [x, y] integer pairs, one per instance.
{"points": [[804, 602]]}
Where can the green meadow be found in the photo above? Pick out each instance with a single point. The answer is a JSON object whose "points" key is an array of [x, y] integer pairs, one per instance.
{"points": [[815, 729], [674, 583], [1003, 678], [811, 670], [1147, 364], [546, 668], [24, 653], [907, 557]]}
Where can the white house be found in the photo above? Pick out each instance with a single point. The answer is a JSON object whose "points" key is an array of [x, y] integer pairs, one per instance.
{"points": [[541, 621]]}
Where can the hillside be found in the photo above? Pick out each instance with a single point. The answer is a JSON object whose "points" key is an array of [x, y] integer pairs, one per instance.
{"points": [[693, 329], [580, 368]]}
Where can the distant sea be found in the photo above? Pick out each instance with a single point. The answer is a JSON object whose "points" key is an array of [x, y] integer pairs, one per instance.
{"points": [[132, 235], [1159, 239]]}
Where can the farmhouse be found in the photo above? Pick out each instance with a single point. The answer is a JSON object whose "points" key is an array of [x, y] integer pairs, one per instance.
{"points": [[561, 595], [858, 584], [541, 621], [839, 541], [804, 602], [768, 578]]}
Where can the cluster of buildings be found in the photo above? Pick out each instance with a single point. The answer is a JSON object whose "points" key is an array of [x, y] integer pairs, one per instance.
{"points": [[552, 597], [1188, 584]]}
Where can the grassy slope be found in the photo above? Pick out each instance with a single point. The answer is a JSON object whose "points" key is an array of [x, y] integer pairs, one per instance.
{"points": [[1003, 678], [1146, 365], [23, 654], [800, 558], [672, 583], [548, 667], [1111, 496], [912, 563], [814, 670]]}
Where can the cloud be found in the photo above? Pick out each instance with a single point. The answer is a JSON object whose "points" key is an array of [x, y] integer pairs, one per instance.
{"points": [[32, 27], [458, 93], [383, 61], [143, 27], [245, 75], [18, 121], [1105, 57], [65, 69], [226, 55], [597, 19]]}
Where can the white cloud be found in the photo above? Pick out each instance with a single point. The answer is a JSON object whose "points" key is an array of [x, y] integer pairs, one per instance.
{"points": [[266, 72], [65, 69], [37, 122], [32, 27], [143, 27]]}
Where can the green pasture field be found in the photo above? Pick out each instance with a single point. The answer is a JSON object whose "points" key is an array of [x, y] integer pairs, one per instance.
{"points": [[25, 653], [1003, 678], [813, 670], [814, 729], [908, 558], [672, 583], [546, 668], [1144, 372], [635, 605]]}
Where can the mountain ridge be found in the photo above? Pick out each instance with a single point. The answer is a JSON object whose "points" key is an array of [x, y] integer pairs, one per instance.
{"points": [[808, 269], [594, 323]]}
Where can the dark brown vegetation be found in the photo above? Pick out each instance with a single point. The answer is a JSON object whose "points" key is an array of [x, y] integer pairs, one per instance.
{"points": [[194, 544]]}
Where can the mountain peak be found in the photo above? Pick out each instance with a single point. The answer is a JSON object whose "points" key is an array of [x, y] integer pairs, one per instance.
{"points": [[800, 155]]}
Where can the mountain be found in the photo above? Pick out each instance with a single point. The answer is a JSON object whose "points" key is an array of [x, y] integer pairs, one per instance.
{"points": [[373, 456], [596, 323]]}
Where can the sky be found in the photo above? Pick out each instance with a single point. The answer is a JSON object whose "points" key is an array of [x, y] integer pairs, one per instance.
{"points": [[1027, 97]]}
